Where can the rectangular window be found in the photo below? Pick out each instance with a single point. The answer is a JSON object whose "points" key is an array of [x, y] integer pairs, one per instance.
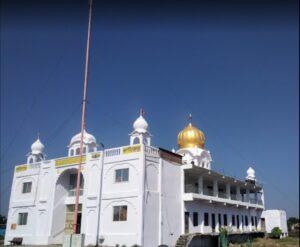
{"points": [[242, 221], [225, 219], [26, 187], [195, 219], [120, 213], [252, 220], [255, 221], [233, 220], [213, 222], [206, 219], [246, 220], [238, 221], [122, 175], [22, 220], [220, 220]]}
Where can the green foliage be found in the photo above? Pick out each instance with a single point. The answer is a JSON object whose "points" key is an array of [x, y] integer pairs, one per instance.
{"points": [[223, 237], [117, 245], [223, 231], [248, 243], [135, 245], [276, 233]]}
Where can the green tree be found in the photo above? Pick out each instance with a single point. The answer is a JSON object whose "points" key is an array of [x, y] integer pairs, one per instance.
{"points": [[276, 232]]}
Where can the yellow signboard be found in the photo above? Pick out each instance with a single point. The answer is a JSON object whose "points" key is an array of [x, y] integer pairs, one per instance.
{"points": [[69, 161], [21, 168], [132, 149]]}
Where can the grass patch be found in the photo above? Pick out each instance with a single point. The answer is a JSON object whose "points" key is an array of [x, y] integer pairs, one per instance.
{"points": [[268, 242]]}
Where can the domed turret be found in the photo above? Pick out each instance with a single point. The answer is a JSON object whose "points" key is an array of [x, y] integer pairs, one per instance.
{"points": [[87, 138], [191, 142], [191, 137], [37, 152], [37, 147], [140, 132], [140, 124], [89, 143], [250, 174]]}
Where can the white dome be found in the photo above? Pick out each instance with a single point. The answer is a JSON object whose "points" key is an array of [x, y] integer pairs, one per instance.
{"points": [[37, 147], [87, 138], [250, 173], [140, 124]]}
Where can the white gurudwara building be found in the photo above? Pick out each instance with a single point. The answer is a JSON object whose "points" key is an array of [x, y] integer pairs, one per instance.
{"points": [[135, 194]]}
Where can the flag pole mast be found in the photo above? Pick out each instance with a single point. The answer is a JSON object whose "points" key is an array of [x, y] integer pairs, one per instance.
{"points": [[83, 122]]}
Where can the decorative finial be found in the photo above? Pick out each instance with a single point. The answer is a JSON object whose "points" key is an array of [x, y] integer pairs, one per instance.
{"points": [[38, 135], [190, 118], [142, 112]]}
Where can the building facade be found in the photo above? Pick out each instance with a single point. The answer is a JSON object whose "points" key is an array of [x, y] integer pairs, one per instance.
{"points": [[135, 194], [275, 218]]}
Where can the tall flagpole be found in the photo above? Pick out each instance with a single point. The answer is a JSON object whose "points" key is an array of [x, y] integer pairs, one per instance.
{"points": [[83, 123]]}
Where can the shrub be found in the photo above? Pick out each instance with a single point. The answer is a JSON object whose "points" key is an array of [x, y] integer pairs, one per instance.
{"points": [[276, 232], [223, 237]]}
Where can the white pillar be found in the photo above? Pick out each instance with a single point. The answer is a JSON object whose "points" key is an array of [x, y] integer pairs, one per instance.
{"points": [[228, 191], [217, 223], [215, 188], [200, 185]]}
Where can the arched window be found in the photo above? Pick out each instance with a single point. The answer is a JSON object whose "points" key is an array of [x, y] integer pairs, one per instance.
{"points": [[136, 140], [72, 152], [77, 151], [30, 160], [84, 150]]}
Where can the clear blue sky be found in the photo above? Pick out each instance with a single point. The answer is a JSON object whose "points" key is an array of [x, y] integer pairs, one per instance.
{"points": [[234, 66]]}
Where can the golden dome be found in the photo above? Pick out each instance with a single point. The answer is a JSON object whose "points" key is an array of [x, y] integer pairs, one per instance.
{"points": [[191, 137]]}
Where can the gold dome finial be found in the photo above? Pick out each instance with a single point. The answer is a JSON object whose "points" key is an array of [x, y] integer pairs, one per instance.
{"points": [[191, 136]]}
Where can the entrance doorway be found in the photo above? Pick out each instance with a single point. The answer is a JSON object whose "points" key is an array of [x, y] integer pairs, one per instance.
{"points": [[63, 215], [70, 210], [186, 222], [213, 222]]}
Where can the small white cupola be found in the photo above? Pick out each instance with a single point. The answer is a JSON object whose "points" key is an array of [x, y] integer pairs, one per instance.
{"points": [[37, 152], [140, 132], [89, 144], [250, 174]]}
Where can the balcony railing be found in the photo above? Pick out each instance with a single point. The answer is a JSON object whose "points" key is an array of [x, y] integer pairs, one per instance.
{"points": [[222, 195], [234, 197], [259, 201], [208, 192], [190, 188]]}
